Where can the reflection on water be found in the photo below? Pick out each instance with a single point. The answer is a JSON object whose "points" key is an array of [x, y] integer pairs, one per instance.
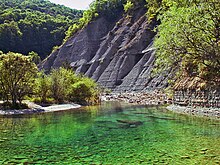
{"points": [[109, 134]]}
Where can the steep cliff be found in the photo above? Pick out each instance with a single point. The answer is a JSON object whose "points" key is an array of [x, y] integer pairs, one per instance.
{"points": [[118, 54]]}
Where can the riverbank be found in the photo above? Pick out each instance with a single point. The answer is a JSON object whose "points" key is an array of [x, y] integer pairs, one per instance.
{"points": [[141, 98], [135, 98], [198, 111], [159, 98], [34, 108]]}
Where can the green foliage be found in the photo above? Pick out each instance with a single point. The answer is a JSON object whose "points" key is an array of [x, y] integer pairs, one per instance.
{"points": [[33, 25], [35, 58], [19, 78], [97, 8], [128, 6], [42, 87], [67, 86], [84, 91], [61, 81], [153, 8], [17, 74], [188, 38], [63, 85]]}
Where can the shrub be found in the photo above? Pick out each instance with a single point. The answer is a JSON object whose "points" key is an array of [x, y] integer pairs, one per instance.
{"points": [[128, 6]]}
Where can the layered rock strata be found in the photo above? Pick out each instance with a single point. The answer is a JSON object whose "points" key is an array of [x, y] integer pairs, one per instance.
{"points": [[118, 54], [201, 98]]}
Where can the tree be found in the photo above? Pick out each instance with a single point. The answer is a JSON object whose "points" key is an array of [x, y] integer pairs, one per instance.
{"points": [[17, 75], [67, 86], [42, 86], [33, 25], [61, 80], [34, 57], [188, 39]]}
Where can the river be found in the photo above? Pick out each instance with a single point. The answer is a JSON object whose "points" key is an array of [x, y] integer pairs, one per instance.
{"points": [[112, 133]]}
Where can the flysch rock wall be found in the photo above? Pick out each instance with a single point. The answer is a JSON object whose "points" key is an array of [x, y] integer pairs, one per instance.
{"points": [[200, 98], [117, 54]]}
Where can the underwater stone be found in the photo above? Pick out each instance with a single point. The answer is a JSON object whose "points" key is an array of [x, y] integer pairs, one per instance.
{"points": [[204, 149], [130, 122], [185, 157]]}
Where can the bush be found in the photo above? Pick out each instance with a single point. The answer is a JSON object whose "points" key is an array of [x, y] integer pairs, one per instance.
{"points": [[42, 87], [63, 85], [61, 80], [84, 91], [128, 6]]}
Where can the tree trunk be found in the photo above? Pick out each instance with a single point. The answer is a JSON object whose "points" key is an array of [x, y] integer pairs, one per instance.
{"points": [[14, 100]]}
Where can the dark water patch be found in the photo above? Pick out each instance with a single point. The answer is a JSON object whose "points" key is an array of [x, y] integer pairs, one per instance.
{"points": [[161, 118]]}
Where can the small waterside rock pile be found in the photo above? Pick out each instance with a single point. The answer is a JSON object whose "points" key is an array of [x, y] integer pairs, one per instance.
{"points": [[141, 98]]}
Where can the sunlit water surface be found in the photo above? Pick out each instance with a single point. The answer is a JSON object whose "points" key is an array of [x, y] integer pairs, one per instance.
{"points": [[100, 135]]}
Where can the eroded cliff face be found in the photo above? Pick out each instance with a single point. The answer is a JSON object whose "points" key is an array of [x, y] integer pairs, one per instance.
{"points": [[117, 54]]}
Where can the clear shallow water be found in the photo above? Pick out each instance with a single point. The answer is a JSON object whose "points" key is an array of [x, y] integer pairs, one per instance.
{"points": [[106, 135]]}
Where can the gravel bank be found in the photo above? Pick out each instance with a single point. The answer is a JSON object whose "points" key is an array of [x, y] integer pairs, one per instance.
{"points": [[159, 98], [198, 111], [141, 98], [34, 108]]}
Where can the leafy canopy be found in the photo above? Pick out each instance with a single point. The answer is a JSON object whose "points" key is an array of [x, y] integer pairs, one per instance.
{"points": [[33, 25], [188, 39], [17, 74]]}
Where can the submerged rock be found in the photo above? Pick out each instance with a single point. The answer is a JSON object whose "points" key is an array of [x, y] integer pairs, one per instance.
{"points": [[185, 157], [130, 122]]}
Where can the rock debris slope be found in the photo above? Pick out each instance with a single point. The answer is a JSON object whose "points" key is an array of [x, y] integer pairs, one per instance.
{"points": [[117, 54]]}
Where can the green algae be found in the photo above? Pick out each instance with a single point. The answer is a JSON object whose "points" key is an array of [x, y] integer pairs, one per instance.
{"points": [[105, 135]]}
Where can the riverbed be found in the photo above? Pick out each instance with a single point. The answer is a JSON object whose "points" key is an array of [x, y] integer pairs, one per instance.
{"points": [[112, 133]]}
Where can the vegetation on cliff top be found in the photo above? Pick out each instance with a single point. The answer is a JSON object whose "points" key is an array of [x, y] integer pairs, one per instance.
{"points": [[33, 25], [110, 9]]}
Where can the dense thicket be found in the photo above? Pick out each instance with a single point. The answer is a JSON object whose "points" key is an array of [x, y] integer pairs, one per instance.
{"points": [[33, 25], [188, 39], [63, 85], [20, 79]]}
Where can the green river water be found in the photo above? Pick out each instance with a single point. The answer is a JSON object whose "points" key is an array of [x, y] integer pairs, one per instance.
{"points": [[102, 135]]}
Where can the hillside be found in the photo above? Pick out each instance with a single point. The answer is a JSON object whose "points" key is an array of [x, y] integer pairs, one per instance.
{"points": [[121, 52], [33, 25], [117, 53]]}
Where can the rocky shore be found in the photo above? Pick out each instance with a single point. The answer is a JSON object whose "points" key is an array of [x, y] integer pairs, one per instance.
{"points": [[34, 108], [141, 98], [159, 98], [196, 111]]}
